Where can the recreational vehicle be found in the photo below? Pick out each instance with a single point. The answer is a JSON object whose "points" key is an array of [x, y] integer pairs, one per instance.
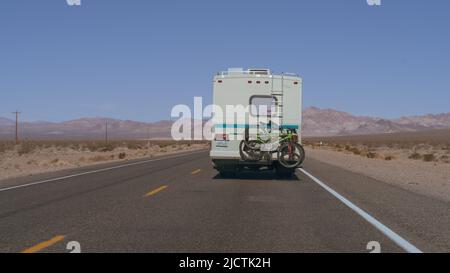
{"points": [[267, 136]]}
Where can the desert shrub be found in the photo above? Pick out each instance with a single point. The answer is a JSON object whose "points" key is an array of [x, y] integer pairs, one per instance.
{"points": [[122, 155], [428, 157], [99, 146], [156, 147], [29, 146], [107, 147], [133, 146], [46, 145], [355, 150], [99, 158], [75, 146], [91, 146], [54, 161], [415, 155], [388, 157], [371, 155], [25, 148], [6, 145]]}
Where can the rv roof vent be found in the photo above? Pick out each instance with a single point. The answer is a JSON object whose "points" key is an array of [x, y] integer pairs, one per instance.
{"points": [[235, 70], [259, 71]]}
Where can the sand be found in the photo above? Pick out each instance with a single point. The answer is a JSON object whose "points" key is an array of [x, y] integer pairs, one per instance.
{"points": [[42, 160], [427, 178]]}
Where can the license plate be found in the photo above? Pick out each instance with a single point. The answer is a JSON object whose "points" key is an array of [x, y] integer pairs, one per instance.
{"points": [[221, 143]]}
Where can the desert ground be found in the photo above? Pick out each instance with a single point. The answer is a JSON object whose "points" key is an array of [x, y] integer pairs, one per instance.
{"points": [[33, 157], [416, 161]]}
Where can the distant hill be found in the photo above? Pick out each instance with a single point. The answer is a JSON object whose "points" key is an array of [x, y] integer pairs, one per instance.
{"points": [[4, 122], [330, 122], [89, 128], [316, 122], [429, 121]]}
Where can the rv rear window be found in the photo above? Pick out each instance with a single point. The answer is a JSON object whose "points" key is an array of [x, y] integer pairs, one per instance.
{"points": [[262, 105]]}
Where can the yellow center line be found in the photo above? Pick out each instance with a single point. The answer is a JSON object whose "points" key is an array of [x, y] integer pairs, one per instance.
{"points": [[196, 171], [155, 191], [43, 245]]}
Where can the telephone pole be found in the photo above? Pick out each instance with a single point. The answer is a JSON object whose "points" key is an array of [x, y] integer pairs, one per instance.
{"points": [[106, 131], [17, 125], [148, 136]]}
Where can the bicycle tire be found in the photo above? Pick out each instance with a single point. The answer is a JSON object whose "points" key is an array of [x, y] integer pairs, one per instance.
{"points": [[300, 156]]}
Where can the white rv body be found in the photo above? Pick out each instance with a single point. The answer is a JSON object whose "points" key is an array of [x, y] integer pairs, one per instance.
{"points": [[237, 87]]}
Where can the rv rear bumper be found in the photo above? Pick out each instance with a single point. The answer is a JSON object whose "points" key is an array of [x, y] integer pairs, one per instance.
{"points": [[234, 155]]}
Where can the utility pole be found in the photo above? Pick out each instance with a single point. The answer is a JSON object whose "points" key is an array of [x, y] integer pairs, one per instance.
{"points": [[17, 126], [106, 131], [148, 136]]}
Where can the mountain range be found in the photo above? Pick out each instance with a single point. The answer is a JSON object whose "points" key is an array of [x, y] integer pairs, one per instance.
{"points": [[316, 122], [330, 122]]}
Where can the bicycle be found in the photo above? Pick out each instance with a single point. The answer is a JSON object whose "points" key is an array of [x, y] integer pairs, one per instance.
{"points": [[290, 153]]}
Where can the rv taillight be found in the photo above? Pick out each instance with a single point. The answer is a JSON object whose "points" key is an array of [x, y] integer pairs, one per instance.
{"points": [[219, 81], [266, 82], [258, 81], [221, 137], [295, 82], [249, 81]]}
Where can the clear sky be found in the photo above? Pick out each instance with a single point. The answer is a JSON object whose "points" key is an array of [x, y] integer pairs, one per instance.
{"points": [[136, 59]]}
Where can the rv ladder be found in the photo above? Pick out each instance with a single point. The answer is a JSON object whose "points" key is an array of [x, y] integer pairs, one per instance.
{"points": [[278, 94]]}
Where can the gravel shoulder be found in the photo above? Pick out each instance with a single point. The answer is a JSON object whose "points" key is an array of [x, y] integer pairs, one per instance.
{"points": [[43, 160], [427, 178]]}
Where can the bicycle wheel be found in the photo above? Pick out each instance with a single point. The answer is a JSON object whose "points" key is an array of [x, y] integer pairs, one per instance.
{"points": [[291, 155], [249, 150]]}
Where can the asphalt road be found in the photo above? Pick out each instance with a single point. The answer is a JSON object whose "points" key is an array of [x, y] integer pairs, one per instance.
{"points": [[180, 204]]}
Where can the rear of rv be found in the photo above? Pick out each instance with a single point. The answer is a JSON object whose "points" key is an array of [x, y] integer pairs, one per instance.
{"points": [[246, 88]]}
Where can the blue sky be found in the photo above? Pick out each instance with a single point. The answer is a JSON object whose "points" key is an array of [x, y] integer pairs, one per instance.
{"points": [[136, 59]]}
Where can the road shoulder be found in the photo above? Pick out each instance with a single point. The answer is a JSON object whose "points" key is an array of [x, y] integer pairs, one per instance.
{"points": [[22, 180], [426, 178], [421, 219]]}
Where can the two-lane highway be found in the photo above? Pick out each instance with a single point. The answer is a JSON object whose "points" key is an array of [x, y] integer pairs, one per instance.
{"points": [[178, 203]]}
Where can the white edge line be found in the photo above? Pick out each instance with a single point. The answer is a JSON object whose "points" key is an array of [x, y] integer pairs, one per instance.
{"points": [[95, 171], [407, 246]]}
